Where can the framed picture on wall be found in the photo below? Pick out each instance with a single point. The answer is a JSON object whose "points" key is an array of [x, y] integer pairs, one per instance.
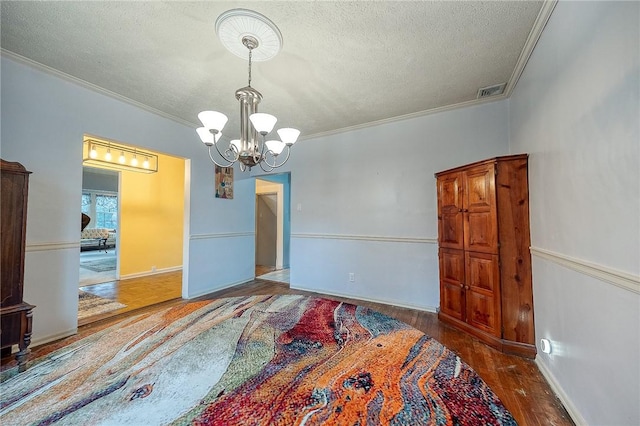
{"points": [[224, 182]]}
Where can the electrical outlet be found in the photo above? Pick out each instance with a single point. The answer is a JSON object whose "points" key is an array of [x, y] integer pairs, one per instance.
{"points": [[153, 268], [352, 277]]}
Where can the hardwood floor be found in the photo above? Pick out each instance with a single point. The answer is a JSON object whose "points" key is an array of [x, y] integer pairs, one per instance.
{"points": [[136, 293], [261, 269], [517, 381]]}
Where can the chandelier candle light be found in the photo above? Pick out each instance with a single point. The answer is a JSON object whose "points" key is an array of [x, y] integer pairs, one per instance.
{"points": [[237, 28]]}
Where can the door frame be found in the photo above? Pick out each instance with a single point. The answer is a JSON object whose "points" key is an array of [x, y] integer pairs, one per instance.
{"points": [[269, 187]]}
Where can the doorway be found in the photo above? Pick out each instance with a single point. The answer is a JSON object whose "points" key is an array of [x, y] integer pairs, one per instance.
{"points": [[147, 234], [273, 228], [266, 231], [98, 248]]}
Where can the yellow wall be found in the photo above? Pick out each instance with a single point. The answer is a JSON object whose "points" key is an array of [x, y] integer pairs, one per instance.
{"points": [[151, 218]]}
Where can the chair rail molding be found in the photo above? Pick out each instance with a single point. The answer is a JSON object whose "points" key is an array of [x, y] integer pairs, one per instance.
{"points": [[367, 238], [612, 276], [54, 245], [221, 235]]}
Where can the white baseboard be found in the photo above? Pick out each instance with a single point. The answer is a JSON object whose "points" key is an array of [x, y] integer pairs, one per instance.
{"points": [[365, 299], [53, 337], [224, 287], [561, 394], [149, 273]]}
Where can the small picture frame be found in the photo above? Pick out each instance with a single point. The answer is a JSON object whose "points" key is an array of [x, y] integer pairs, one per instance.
{"points": [[224, 182]]}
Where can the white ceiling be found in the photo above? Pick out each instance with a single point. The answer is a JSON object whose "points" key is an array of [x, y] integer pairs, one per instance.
{"points": [[343, 63]]}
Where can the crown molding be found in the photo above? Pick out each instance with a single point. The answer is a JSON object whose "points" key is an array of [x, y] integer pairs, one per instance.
{"points": [[418, 114], [530, 44], [52, 71], [538, 26], [541, 21]]}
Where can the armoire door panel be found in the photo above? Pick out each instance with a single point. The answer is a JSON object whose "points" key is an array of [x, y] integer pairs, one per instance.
{"points": [[481, 312], [449, 188], [479, 207], [481, 232], [450, 231], [452, 300], [450, 219], [452, 265], [482, 272], [479, 188], [482, 279], [451, 283]]}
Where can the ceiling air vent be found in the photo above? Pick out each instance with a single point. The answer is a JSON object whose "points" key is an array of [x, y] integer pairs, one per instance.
{"points": [[494, 90]]}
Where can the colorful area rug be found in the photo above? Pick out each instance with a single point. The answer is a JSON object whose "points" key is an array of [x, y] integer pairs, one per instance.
{"points": [[100, 265], [259, 360], [90, 305]]}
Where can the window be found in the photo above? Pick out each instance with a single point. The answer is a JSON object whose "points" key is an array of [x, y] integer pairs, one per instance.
{"points": [[106, 211], [102, 208], [86, 203]]}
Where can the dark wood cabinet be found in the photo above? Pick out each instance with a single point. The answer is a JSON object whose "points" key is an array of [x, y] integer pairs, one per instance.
{"points": [[485, 263], [15, 314]]}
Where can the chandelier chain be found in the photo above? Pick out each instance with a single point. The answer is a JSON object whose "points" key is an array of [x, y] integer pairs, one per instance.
{"points": [[250, 52]]}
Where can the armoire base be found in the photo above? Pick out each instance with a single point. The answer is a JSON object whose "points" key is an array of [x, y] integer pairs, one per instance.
{"points": [[505, 346]]}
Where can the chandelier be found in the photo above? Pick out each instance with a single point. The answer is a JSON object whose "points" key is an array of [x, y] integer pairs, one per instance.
{"points": [[240, 30]]}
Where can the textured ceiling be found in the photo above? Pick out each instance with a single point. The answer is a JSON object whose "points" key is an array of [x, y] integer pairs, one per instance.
{"points": [[343, 64]]}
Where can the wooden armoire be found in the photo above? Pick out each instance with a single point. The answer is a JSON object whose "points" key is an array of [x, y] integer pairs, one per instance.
{"points": [[485, 263], [15, 313]]}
